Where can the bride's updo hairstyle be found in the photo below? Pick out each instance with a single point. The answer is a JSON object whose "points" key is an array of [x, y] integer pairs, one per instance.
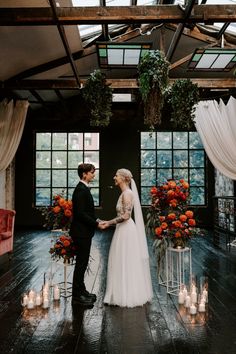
{"points": [[126, 174]]}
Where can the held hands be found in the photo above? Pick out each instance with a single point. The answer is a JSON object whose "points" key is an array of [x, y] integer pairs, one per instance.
{"points": [[103, 224]]}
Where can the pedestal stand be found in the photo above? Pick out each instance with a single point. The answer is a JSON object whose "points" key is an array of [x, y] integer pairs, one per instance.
{"points": [[65, 285], [177, 269]]}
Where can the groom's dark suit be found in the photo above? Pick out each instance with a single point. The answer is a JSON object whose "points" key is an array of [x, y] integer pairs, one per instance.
{"points": [[82, 230]]}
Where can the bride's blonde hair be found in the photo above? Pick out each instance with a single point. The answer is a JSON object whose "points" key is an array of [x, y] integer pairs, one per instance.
{"points": [[126, 174]]}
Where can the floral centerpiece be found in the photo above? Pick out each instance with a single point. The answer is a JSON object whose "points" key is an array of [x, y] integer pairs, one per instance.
{"points": [[59, 214], [63, 248], [169, 219]]}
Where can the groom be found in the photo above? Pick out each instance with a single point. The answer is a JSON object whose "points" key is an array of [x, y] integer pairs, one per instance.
{"points": [[83, 226]]}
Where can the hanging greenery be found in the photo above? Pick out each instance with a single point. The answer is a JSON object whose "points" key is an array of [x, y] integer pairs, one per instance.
{"points": [[153, 78], [183, 95], [98, 96]]}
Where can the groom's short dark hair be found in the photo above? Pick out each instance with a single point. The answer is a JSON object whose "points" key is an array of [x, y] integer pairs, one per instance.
{"points": [[85, 168]]}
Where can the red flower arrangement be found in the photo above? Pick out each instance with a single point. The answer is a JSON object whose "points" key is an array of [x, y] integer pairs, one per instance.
{"points": [[169, 217], [59, 214], [63, 248]]}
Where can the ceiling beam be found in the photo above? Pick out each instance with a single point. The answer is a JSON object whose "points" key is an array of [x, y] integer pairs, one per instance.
{"points": [[115, 84], [65, 43], [179, 31], [43, 16]]}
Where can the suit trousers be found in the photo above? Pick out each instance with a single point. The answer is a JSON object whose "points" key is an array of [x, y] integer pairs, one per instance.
{"points": [[81, 264]]}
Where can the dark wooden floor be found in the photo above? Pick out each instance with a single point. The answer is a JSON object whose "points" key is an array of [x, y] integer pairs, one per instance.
{"points": [[160, 327]]}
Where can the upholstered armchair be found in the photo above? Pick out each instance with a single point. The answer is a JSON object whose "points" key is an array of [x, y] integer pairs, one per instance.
{"points": [[7, 220]]}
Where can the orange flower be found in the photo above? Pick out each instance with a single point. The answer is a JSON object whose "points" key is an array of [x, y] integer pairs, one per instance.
{"points": [[189, 214], [178, 234], [68, 213], [165, 186], [171, 216], [173, 203], [63, 251], [182, 218], [158, 231], [162, 218], [185, 185], [66, 243], [164, 225], [170, 193], [177, 223], [56, 209], [153, 190], [182, 180], [61, 201], [172, 184], [191, 222]]}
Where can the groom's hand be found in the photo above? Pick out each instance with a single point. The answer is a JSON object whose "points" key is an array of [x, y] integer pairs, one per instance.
{"points": [[103, 225]]}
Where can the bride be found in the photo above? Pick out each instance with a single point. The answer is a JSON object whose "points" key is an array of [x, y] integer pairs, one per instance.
{"points": [[128, 276]]}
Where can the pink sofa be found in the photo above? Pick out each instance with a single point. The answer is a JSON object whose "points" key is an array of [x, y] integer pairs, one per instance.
{"points": [[7, 220]]}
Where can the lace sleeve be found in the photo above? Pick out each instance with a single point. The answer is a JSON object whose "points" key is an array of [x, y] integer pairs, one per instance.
{"points": [[126, 209]]}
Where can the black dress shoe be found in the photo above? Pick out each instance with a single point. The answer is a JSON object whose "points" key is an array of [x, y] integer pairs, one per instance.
{"points": [[91, 296], [82, 300]]}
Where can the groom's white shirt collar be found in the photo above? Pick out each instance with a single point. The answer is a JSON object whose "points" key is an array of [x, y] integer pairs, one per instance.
{"points": [[87, 185]]}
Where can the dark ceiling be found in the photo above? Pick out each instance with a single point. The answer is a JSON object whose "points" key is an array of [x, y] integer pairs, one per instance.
{"points": [[45, 58]]}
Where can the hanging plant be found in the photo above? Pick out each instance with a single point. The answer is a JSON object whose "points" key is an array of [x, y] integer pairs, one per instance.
{"points": [[153, 78], [183, 95], [98, 96]]}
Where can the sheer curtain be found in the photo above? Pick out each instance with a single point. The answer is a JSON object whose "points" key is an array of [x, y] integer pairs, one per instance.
{"points": [[12, 121], [216, 125]]}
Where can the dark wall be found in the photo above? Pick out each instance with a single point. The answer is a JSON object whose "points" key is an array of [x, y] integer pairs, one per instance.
{"points": [[119, 147]]}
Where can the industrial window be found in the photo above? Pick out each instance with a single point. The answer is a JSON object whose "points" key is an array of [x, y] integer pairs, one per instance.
{"points": [[57, 156], [167, 155]]}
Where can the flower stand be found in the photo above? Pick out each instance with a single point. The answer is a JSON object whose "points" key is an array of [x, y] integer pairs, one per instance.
{"points": [[65, 285], [177, 269]]}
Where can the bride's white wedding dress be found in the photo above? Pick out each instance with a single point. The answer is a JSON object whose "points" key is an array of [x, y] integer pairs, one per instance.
{"points": [[128, 274]]}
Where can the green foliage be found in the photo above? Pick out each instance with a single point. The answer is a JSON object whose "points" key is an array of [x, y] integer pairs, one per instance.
{"points": [[98, 96], [153, 72], [183, 95]]}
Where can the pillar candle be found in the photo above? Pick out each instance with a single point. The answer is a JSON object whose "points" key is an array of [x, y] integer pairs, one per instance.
{"points": [[187, 301], [201, 307], [25, 300], [30, 304], [194, 296], [193, 309], [181, 297], [45, 302], [56, 292], [185, 292]]}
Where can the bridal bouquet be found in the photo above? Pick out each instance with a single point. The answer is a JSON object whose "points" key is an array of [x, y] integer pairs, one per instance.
{"points": [[59, 214]]}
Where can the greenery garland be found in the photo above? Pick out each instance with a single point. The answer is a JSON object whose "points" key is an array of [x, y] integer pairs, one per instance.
{"points": [[153, 79], [98, 96]]}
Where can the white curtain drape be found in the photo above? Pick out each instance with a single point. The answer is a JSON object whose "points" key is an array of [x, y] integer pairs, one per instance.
{"points": [[216, 125], [12, 121]]}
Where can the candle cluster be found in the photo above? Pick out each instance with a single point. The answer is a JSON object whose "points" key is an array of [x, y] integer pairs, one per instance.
{"points": [[32, 299], [193, 300]]}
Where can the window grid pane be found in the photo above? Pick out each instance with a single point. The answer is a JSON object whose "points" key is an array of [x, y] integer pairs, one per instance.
{"points": [[177, 155], [56, 168]]}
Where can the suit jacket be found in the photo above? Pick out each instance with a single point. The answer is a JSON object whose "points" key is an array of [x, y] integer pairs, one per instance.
{"points": [[84, 221]]}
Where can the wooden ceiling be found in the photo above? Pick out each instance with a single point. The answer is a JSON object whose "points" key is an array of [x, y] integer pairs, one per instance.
{"points": [[44, 59]]}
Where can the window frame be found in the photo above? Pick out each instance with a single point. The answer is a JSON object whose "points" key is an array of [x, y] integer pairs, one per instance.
{"points": [[66, 190], [172, 167]]}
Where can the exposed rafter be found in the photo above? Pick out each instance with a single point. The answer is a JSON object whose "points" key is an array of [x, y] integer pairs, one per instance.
{"points": [[123, 14], [115, 84], [179, 31], [65, 41]]}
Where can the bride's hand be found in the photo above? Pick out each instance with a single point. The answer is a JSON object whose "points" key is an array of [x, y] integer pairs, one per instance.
{"points": [[103, 225]]}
